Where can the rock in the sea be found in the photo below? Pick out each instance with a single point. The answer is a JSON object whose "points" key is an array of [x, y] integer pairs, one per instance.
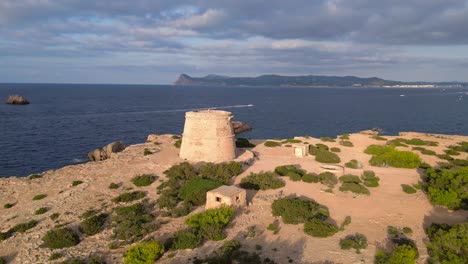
{"points": [[106, 152], [240, 127], [17, 100]]}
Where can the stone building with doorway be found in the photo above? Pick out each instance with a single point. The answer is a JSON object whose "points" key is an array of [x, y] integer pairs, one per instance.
{"points": [[226, 195]]}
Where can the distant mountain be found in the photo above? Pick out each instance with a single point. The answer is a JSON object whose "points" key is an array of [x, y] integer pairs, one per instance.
{"points": [[278, 80], [304, 80]]}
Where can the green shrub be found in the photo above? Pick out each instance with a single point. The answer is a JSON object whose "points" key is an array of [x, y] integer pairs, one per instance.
{"points": [[39, 197], [354, 187], [445, 157], [408, 189], [262, 181], [460, 147], [291, 140], [356, 241], [328, 179], [23, 227], [9, 205], [41, 210], [335, 150], [403, 254], [293, 176], [396, 143], [346, 222], [222, 171], [187, 238], [377, 137], [133, 222], [369, 178], [76, 183], [388, 156], [344, 136], [182, 209], [93, 225], [96, 259], [194, 190], [418, 142], [425, 151], [460, 162], [392, 231], [311, 177], [211, 222], [350, 178], [88, 213], [448, 244], [447, 187], [56, 255], [319, 228], [129, 197], [114, 186], [285, 169], [144, 253], [407, 230], [322, 146], [60, 238], [144, 180], [353, 164], [74, 261], [346, 143], [273, 227], [243, 143], [54, 216], [325, 156], [271, 144], [295, 210], [35, 176], [178, 143], [327, 139]]}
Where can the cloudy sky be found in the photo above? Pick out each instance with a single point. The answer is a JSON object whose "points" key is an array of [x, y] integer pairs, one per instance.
{"points": [[153, 41]]}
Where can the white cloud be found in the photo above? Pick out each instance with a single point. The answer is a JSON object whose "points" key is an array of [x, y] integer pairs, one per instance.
{"points": [[211, 17]]}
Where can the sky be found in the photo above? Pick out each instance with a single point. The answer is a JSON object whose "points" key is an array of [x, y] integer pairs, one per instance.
{"points": [[153, 41]]}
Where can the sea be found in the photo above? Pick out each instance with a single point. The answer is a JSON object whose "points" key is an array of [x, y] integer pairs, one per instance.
{"points": [[66, 121]]}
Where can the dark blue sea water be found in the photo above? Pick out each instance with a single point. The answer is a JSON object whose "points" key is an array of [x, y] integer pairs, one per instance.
{"points": [[64, 122]]}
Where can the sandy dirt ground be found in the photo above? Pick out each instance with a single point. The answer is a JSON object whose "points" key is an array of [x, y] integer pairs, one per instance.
{"points": [[387, 205]]}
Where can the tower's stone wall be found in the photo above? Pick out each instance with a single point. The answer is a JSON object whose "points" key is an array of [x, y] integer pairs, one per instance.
{"points": [[208, 136]]}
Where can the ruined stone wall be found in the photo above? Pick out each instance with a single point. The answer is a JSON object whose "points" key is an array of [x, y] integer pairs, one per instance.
{"points": [[208, 136]]}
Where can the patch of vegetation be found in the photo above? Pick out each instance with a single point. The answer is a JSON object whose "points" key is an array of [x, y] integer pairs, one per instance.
{"points": [[448, 244], [144, 180], [210, 223], [460, 147], [243, 143], [262, 181], [408, 189], [346, 143], [186, 238], [93, 225], [356, 241], [403, 250], [319, 228], [460, 162], [222, 172], [144, 253], [327, 139], [195, 189], [445, 157], [336, 150], [418, 142], [451, 152], [132, 222], [311, 178], [114, 186], [35, 176], [377, 137], [9, 205], [88, 213], [396, 143], [178, 143], [353, 164], [407, 230], [294, 173], [54, 216], [325, 156], [230, 252], [23, 227], [76, 183], [384, 156], [273, 227], [129, 197], [344, 136], [271, 144], [41, 210], [147, 152], [291, 141], [295, 210], [74, 261], [447, 187], [354, 187], [369, 179], [39, 197], [350, 178], [346, 222], [329, 179], [60, 238], [55, 256], [425, 151]]}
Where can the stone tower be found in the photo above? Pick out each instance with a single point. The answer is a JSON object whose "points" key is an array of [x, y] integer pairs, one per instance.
{"points": [[208, 136]]}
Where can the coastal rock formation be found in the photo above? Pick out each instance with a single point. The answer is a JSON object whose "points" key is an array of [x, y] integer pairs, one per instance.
{"points": [[106, 152], [17, 100], [240, 127]]}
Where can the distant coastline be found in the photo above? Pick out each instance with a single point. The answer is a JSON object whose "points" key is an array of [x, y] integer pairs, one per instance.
{"points": [[308, 81]]}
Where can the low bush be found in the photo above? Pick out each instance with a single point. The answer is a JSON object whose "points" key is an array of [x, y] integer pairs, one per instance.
{"points": [[418, 142], [39, 197], [295, 210], [23, 227], [186, 238], [445, 157], [327, 139], [311, 178], [273, 227], [344, 136], [243, 143], [211, 222], [194, 191], [262, 181], [144, 180], [448, 244], [222, 172], [178, 143], [60, 238], [354, 187], [74, 261], [114, 186], [76, 183], [460, 147], [133, 222], [54, 216], [271, 144], [353, 164], [325, 156], [369, 179], [144, 253], [447, 187], [291, 141], [425, 151], [346, 222], [9, 205], [377, 137], [460, 162], [346, 143], [329, 179], [408, 189], [129, 197], [350, 178], [93, 225], [451, 152], [407, 230], [388, 156], [285, 169], [41, 210], [35, 176], [356, 241], [396, 143], [182, 209], [147, 152], [319, 228], [336, 150], [56, 255]]}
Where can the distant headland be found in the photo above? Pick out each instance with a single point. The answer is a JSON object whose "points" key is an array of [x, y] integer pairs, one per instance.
{"points": [[309, 81]]}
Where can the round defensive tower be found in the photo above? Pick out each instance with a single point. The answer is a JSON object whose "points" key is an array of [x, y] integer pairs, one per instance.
{"points": [[208, 136]]}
